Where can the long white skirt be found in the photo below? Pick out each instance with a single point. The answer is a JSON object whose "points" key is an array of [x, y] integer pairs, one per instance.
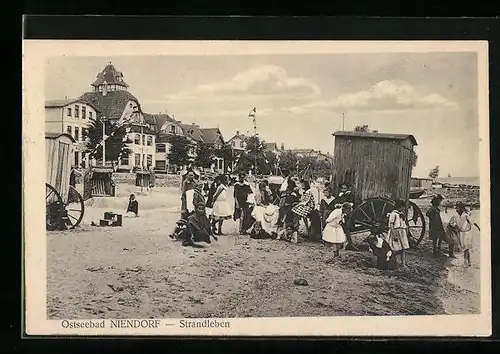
{"points": [[221, 209], [268, 217], [334, 234]]}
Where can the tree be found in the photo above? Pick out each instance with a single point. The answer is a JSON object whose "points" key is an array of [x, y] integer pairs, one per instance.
{"points": [[434, 173], [288, 161], [115, 144], [204, 155], [178, 154]]}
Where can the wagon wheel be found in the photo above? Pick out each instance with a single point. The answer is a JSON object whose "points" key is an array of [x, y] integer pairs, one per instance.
{"points": [[75, 207], [54, 208], [416, 225], [371, 214]]}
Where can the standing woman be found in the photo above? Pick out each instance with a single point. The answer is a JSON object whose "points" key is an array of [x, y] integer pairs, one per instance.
{"points": [[210, 201], [397, 237], [152, 178], [306, 204], [221, 209]]}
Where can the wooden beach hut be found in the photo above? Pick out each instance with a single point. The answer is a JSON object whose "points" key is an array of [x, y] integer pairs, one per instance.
{"points": [[374, 165], [58, 152]]}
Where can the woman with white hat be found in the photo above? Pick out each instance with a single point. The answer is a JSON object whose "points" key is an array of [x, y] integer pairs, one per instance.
{"points": [[333, 233]]}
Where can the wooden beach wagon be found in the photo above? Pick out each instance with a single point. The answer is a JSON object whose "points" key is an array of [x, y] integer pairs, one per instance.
{"points": [[377, 168], [64, 206]]}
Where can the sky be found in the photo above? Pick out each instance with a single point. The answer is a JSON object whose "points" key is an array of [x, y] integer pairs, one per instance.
{"points": [[300, 98]]}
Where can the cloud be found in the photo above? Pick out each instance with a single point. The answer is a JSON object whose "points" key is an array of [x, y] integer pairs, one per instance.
{"points": [[385, 95], [265, 80]]}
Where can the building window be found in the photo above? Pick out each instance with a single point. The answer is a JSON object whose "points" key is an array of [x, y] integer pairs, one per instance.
{"points": [[160, 148], [130, 105], [84, 112], [150, 140], [144, 140], [69, 130], [149, 160], [69, 112], [90, 115], [137, 160], [242, 144], [161, 165], [124, 159], [137, 139], [77, 111], [172, 129], [233, 143], [85, 133], [77, 133]]}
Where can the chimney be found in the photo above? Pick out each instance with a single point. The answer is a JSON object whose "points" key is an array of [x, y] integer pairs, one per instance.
{"points": [[237, 132]]}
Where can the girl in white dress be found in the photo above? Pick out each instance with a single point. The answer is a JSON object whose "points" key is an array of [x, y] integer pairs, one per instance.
{"points": [[397, 237], [333, 233], [221, 209], [462, 223]]}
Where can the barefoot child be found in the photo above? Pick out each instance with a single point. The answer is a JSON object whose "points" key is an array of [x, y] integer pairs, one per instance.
{"points": [[462, 222], [397, 237]]}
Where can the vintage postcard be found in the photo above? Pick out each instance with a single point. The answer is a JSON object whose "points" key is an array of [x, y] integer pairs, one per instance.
{"points": [[241, 188]]}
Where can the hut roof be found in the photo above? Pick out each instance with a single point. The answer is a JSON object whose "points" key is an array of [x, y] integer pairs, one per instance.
{"points": [[57, 135], [377, 136]]}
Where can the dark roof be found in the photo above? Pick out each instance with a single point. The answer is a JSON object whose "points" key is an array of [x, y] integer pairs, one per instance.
{"points": [[62, 103], [111, 76], [57, 135], [210, 135], [377, 136], [193, 131], [144, 130], [238, 136], [112, 105], [158, 119]]}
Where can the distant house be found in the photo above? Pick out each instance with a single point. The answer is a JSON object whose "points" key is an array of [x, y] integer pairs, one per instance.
{"points": [[311, 153], [271, 147], [194, 134], [421, 183], [238, 142], [166, 127], [213, 138], [71, 116]]}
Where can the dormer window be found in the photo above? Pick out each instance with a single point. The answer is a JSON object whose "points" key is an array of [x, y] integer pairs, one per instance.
{"points": [[172, 129], [69, 112]]}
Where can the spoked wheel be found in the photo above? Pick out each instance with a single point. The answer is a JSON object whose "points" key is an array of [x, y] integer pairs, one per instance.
{"points": [[75, 208], [416, 225], [54, 208], [370, 215]]}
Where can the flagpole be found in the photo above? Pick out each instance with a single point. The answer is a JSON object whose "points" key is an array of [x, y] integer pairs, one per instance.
{"points": [[103, 141]]}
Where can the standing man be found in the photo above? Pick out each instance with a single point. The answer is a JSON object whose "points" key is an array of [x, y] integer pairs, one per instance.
{"points": [[241, 208]]}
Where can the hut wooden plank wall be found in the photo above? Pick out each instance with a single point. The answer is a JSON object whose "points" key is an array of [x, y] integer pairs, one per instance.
{"points": [[58, 154], [373, 164]]}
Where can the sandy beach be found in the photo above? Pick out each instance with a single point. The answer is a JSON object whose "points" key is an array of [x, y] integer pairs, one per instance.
{"points": [[137, 271]]}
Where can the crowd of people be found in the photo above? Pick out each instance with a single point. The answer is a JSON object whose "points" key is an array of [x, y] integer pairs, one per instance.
{"points": [[265, 211]]}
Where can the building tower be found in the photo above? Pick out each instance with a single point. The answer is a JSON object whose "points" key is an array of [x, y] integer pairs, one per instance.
{"points": [[109, 80]]}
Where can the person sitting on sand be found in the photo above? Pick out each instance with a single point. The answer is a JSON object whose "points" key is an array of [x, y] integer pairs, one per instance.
{"points": [[462, 223], [259, 233], [199, 228], [386, 260], [289, 233], [436, 228], [133, 207]]}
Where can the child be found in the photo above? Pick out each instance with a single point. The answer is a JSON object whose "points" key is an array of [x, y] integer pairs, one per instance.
{"points": [[436, 228], [397, 237], [461, 222], [381, 249], [221, 209], [288, 234], [258, 232], [133, 207], [333, 233]]}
